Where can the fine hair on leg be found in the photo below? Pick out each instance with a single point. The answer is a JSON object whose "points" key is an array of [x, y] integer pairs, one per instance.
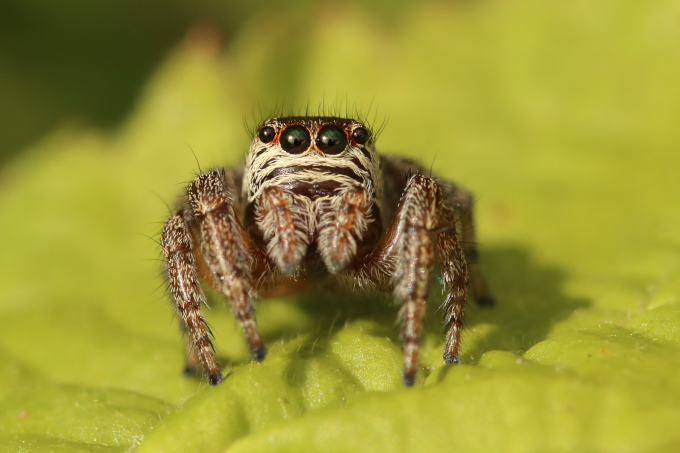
{"points": [[417, 217], [180, 267], [222, 248]]}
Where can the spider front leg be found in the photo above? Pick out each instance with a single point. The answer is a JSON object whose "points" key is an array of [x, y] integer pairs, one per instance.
{"points": [[462, 203], [227, 251], [209, 241], [181, 269], [422, 223], [416, 220]]}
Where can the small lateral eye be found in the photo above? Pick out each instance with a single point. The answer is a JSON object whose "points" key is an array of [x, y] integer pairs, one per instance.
{"points": [[267, 134], [295, 139], [360, 135], [331, 140]]}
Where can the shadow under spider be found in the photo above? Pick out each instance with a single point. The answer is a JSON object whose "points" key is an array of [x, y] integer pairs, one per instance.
{"points": [[529, 301]]}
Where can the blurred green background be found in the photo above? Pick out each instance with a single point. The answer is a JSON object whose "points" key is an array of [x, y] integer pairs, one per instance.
{"points": [[561, 118], [87, 61]]}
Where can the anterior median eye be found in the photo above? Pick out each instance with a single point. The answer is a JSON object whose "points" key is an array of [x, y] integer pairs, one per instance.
{"points": [[360, 135], [267, 134], [331, 140], [295, 139]]}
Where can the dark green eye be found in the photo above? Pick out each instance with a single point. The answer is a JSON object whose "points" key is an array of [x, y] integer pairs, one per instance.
{"points": [[267, 134], [360, 135], [331, 140], [295, 139]]}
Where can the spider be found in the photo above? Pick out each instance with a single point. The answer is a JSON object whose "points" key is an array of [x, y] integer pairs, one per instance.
{"points": [[315, 204]]}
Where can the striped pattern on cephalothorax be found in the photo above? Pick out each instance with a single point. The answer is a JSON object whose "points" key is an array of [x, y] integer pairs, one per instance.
{"points": [[268, 164], [315, 203]]}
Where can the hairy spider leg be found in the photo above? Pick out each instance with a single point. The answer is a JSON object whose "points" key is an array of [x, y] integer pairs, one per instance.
{"points": [[455, 278], [180, 266], [403, 262], [462, 204], [224, 247], [417, 217], [405, 257]]}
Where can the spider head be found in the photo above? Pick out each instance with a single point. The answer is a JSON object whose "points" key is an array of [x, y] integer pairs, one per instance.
{"points": [[322, 136], [310, 149], [300, 174]]}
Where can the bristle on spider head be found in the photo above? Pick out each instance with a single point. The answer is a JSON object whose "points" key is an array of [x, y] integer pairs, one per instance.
{"points": [[341, 109]]}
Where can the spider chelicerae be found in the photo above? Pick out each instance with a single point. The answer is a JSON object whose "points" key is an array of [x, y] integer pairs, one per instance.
{"points": [[315, 204]]}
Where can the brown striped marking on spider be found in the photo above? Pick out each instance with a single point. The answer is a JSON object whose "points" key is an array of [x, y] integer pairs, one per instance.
{"points": [[315, 204]]}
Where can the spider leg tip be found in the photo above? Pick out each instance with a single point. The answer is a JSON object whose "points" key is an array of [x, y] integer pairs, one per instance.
{"points": [[451, 359], [408, 379], [260, 353], [215, 379]]}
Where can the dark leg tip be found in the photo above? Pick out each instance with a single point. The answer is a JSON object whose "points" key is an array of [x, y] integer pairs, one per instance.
{"points": [[486, 301], [451, 359], [215, 379], [260, 353], [409, 379]]}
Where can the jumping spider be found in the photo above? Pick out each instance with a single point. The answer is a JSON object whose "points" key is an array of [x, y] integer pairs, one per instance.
{"points": [[316, 204]]}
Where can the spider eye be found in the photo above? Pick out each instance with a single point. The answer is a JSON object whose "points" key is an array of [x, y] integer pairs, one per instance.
{"points": [[331, 140], [295, 139], [267, 134], [360, 135]]}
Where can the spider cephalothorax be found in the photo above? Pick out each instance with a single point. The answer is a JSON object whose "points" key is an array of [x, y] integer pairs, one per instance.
{"points": [[315, 203]]}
